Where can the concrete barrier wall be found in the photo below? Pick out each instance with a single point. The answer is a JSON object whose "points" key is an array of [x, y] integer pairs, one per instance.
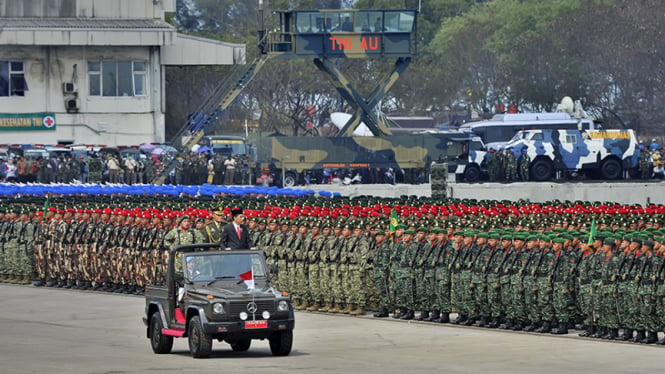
{"points": [[624, 193]]}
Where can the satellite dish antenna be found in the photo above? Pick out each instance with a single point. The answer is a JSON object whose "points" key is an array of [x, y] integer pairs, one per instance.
{"points": [[579, 111], [567, 105]]}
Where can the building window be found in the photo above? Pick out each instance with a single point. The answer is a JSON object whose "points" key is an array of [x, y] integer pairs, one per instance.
{"points": [[12, 79], [117, 78]]}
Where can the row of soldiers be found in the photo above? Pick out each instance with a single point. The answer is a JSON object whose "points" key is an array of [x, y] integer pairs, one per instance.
{"points": [[528, 280], [504, 165], [517, 275], [83, 249]]}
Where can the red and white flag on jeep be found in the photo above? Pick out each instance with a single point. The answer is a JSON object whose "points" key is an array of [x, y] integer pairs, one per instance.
{"points": [[248, 278]]}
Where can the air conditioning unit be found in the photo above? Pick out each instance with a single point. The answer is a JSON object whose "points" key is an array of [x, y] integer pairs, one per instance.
{"points": [[72, 105], [69, 88]]}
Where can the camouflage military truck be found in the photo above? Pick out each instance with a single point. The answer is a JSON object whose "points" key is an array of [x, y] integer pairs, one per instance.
{"points": [[603, 154], [295, 156], [215, 294], [471, 163]]}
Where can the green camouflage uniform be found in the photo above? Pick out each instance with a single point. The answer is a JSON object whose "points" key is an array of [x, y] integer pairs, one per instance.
{"points": [[382, 276]]}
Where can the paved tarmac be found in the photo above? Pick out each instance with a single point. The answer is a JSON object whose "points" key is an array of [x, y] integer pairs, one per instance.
{"points": [[63, 331]]}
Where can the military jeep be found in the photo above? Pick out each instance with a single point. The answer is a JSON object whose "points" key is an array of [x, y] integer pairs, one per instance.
{"points": [[217, 294]]}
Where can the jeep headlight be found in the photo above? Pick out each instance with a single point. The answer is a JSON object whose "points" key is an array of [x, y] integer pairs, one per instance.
{"points": [[282, 306], [218, 308]]}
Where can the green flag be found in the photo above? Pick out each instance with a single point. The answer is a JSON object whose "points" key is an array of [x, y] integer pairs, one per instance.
{"points": [[592, 232], [47, 204], [393, 222]]}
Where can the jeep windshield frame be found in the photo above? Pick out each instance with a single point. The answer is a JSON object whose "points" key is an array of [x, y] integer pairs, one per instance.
{"points": [[208, 267]]}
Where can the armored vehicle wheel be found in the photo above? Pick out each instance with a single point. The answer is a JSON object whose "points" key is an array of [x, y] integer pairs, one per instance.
{"points": [[241, 345], [472, 173], [281, 343], [289, 180], [611, 169], [200, 343], [159, 342], [541, 170]]}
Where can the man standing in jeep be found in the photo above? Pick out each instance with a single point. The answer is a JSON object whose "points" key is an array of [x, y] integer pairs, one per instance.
{"points": [[235, 235]]}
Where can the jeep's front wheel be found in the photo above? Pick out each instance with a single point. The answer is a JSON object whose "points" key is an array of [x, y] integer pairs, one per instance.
{"points": [[200, 343], [281, 342], [241, 345], [160, 343]]}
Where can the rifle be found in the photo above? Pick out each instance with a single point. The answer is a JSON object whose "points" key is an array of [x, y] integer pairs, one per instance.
{"points": [[556, 267], [63, 239], [632, 263], [3, 236], [659, 278], [540, 261], [479, 252], [526, 265], [412, 262], [20, 237], [427, 256], [574, 270], [352, 251], [645, 264], [77, 227], [505, 258], [494, 252], [455, 257], [339, 246], [441, 246]]}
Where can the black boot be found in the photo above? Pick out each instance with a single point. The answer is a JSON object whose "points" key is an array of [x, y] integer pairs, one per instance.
{"points": [[600, 331], [382, 313], [423, 314], [461, 318], [518, 326], [651, 338], [590, 330], [507, 325], [470, 321], [409, 315], [482, 322], [545, 328], [627, 334], [445, 318], [433, 316], [562, 329], [639, 337], [530, 326]]}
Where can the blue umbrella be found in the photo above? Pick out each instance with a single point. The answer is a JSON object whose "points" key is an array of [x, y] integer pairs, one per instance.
{"points": [[203, 150]]}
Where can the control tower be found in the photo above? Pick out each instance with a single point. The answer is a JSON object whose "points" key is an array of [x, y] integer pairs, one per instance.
{"points": [[324, 35]]}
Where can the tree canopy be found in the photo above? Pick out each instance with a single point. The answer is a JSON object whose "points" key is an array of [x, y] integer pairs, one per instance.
{"points": [[471, 55]]}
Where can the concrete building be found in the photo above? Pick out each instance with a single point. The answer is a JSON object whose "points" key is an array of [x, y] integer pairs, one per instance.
{"points": [[92, 71]]}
